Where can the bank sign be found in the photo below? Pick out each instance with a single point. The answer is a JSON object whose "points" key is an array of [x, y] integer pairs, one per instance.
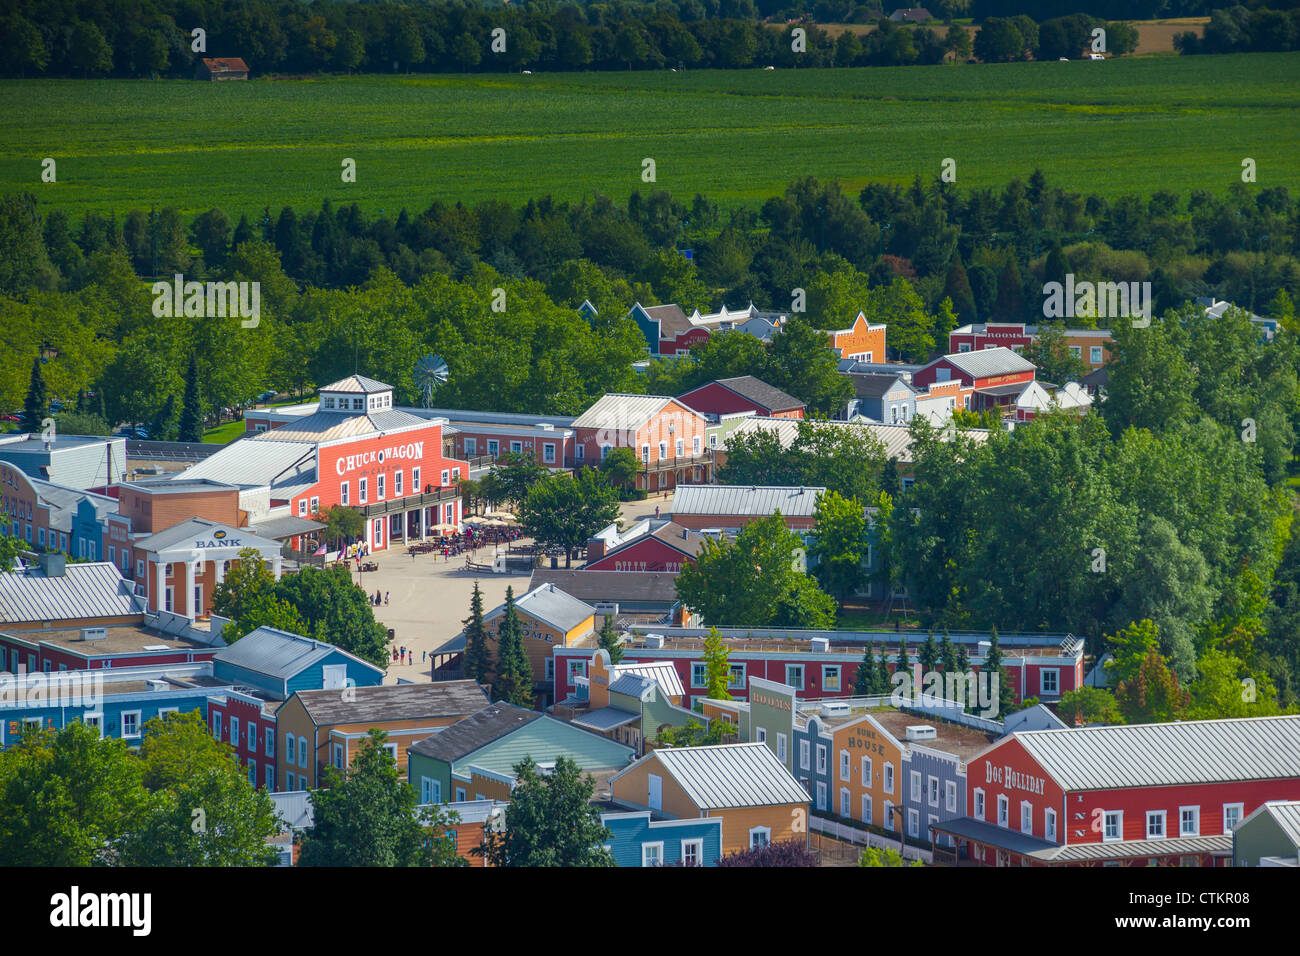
{"points": [[348, 463], [219, 539]]}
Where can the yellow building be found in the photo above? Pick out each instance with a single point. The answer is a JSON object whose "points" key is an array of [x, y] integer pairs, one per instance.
{"points": [[319, 728], [744, 784]]}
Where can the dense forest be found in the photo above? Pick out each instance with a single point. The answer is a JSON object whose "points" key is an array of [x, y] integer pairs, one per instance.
{"points": [[341, 289]]}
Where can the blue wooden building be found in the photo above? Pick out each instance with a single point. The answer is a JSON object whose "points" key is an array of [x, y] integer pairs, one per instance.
{"points": [[640, 840]]}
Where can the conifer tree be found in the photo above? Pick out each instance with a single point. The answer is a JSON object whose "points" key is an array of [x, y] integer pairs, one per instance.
{"points": [[514, 683], [881, 685], [609, 640], [947, 653], [929, 653], [865, 677], [191, 424], [37, 405], [478, 656]]}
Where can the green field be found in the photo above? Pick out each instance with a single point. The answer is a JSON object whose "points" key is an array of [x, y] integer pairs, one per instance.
{"points": [[1128, 125]]}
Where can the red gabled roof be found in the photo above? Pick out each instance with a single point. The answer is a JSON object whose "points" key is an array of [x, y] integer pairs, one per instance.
{"points": [[225, 64]]}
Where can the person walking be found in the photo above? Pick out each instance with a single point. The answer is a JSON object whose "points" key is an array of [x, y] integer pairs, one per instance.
{"points": [[386, 599]]}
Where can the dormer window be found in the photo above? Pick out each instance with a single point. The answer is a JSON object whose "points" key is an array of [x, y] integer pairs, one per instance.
{"points": [[329, 403]]}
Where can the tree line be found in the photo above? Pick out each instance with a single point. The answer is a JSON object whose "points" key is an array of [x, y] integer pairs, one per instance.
{"points": [[1240, 29], [156, 37], [342, 289]]}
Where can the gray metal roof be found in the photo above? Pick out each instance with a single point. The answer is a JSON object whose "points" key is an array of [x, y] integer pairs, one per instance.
{"points": [[1176, 846], [655, 589], [357, 383], [394, 702], [284, 527], [631, 685], [731, 775], [986, 362], [90, 590], [548, 603], [475, 731], [251, 463], [745, 500], [876, 384], [1170, 754], [604, 719], [278, 654]]}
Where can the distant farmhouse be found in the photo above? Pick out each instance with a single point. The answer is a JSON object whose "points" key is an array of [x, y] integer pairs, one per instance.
{"points": [[911, 15], [221, 68]]}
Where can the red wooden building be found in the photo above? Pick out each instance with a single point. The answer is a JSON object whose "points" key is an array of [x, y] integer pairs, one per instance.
{"points": [[744, 393], [651, 546], [983, 377], [1153, 794]]}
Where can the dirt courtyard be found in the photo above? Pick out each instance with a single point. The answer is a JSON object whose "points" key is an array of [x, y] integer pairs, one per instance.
{"points": [[429, 597]]}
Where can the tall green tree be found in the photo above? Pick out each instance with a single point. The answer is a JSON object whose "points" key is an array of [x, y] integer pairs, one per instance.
{"points": [[609, 639], [717, 668], [366, 816], [37, 405], [191, 424], [752, 582], [566, 511], [839, 545], [514, 676], [550, 820], [478, 656]]}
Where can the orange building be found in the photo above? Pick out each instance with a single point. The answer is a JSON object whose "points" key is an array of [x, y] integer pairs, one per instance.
{"points": [[861, 341]]}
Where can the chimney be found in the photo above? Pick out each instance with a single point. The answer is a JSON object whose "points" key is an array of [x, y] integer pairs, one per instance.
{"points": [[52, 564], [595, 549]]}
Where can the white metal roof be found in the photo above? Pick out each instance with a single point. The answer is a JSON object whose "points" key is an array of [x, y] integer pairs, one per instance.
{"points": [[1285, 813], [182, 535], [662, 673], [357, 383], [619, 411], [731, 775], [1170, 754], [90, 590], [746, 500]]}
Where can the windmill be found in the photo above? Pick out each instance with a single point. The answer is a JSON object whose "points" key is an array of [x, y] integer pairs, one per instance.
{"points": [[430, 372]]}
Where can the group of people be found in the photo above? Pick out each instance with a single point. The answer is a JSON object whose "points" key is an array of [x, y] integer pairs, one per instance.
{"points": [[377, 599], [406, 655]]}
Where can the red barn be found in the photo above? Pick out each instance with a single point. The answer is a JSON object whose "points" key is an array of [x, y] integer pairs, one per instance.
{"points": [[743, 394], [1151, 794]]}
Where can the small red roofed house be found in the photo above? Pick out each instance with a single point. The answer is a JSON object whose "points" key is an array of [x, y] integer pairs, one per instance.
{"points": [[219, 68]]}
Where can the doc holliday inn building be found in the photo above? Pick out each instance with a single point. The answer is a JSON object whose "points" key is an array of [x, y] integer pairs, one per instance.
{"points": [[355, 449]]}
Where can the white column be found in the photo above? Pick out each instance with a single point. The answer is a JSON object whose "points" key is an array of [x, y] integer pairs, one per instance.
{"points": [[189, 589], [423, 524], [275, 565], [160, 591], [219, 566]]}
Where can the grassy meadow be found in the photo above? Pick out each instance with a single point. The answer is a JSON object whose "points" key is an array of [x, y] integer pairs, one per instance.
{"points": [[1126, 125]]}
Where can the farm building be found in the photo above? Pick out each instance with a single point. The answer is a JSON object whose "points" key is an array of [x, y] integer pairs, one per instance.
{"points": [[216, 69]]}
